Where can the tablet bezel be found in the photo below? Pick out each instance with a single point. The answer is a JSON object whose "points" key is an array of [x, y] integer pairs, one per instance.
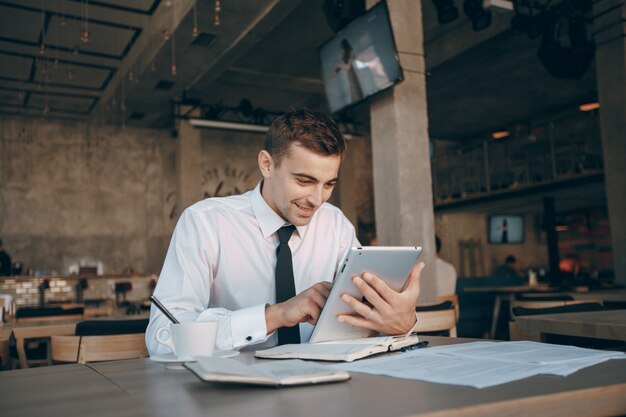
{"points": [[391, 263]]}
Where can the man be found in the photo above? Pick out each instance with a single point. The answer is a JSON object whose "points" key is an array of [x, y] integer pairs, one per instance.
{"points": [[222, 257], [507, 270], [446, 273], [5, 262]]}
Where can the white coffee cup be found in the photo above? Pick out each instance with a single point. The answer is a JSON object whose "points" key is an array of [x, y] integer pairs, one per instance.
{"points": [[187, 340]]}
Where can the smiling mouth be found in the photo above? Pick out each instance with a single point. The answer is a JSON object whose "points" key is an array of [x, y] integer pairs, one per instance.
{"points": [[305, 210]]}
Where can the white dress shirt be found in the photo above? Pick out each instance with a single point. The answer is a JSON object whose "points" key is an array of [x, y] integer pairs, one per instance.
{"points": [[446, 277], [221, 260]]}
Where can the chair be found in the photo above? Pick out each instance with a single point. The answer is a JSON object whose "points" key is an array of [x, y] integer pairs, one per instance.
{"points": [[437, 319], [454, 299], [35, 350], [65, 312], [100, 340]]}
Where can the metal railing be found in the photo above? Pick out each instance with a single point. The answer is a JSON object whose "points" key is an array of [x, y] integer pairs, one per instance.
{"points": [[546, 153]]}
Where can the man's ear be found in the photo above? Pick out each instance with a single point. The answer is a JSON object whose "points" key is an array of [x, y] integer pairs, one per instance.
{"points": [[266, 164]]}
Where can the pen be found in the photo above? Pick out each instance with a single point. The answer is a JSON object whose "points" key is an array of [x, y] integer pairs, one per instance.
{"points": [[164, 310], [415, 346]]}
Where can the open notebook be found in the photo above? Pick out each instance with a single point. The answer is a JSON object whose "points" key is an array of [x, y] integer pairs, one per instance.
{"points": [[282, 373], [343, 350]]}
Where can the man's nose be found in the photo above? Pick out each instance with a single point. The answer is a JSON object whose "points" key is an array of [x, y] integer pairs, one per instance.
{"points": [[316, 196]]}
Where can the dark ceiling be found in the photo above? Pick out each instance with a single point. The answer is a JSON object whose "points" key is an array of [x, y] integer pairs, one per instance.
{"points": [[264, 51]]}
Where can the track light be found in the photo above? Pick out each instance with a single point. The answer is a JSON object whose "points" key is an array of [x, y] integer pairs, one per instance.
{"points": [[480, 17], [218, 124], [446, 11]]}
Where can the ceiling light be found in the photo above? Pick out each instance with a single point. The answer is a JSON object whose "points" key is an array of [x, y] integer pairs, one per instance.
{"points": [[501, 134], [218, 124], [589, 106]]}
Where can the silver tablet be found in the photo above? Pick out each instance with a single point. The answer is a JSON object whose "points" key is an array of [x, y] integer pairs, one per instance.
{"points": [[390, 263]]}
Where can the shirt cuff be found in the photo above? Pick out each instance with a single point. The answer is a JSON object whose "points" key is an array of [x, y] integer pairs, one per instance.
{"points": [[248, 326], [414, 328]]}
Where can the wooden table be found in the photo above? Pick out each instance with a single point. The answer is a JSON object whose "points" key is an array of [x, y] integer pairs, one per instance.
{"points": [[144, 388], [503, 293], [606, 324]]}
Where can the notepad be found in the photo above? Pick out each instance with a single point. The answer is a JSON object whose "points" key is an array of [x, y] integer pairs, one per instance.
{"points": [[281, 373], [339, 351]]}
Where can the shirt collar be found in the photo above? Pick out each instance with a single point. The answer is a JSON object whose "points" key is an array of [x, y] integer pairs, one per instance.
{"points": [[268, 219]]}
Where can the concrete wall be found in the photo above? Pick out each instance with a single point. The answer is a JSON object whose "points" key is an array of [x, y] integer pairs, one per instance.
{"points": [[71, 193], [74, 194]]}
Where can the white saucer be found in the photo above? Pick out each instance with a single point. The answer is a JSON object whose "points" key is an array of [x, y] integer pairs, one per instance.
{"points": [[170, 358]]}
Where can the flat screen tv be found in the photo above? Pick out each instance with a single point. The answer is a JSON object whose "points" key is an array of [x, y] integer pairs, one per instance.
{"points": [[360, 60], [506, 229]]}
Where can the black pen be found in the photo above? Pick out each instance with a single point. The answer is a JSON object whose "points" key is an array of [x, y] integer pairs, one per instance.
{"points": [[415, 346], [163, 309]]}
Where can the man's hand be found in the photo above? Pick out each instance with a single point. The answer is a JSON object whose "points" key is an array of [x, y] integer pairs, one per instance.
{"points": [[391, 312], [304, 307]]}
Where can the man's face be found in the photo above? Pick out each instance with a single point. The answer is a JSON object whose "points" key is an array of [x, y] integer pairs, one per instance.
{"points": [[300, 184]]}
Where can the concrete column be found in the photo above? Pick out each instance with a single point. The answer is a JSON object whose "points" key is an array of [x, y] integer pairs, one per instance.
{"points": [[348, 182], [400, 148], [610, 39], [188, 172]]}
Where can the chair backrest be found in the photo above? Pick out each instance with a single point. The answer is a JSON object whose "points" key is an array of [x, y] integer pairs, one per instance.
{"points": [[437, 318], [32, 314], [543, 297], [83, 349], [536, 304], [110, 327], [454, 299]]}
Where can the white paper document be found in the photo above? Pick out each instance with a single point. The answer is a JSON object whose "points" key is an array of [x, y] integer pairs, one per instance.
{"points": [[482, 364]]}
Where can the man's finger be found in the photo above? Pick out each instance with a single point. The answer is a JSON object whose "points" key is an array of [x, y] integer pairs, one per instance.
{"points": [[368, 292], [357, 306], [380, 286], [356, 321]]}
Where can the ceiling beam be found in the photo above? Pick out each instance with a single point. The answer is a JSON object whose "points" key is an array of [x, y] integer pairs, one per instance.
{"points": [[267, 19], [148, 44]]}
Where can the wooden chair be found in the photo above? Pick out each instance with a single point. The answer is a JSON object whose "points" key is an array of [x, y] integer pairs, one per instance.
{"points": [[454, 299], [83, 349], [102, 340], [440, 317], [49, 313]]}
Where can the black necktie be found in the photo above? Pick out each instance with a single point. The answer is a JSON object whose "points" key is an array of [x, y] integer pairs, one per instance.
{"points": [[285, 287]]}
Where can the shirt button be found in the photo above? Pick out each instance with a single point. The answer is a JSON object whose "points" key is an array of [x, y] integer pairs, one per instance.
{"points": [[249, 338]]}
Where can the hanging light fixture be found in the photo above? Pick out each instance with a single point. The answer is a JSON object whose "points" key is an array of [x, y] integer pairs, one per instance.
{"points": [[218, 9], [195, 30], [42, 43], [173, 69], [84, 33]]}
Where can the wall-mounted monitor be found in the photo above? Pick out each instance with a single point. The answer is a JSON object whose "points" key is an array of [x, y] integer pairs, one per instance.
{"points": [[505, 229], [360, 60]]}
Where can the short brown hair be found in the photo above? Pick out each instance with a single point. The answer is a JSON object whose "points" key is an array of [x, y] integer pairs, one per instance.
{"points": [[310, 129]]}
